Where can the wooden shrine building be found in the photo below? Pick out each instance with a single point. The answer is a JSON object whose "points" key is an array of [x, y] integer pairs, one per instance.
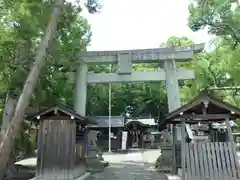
{"points": [[139, 132], [102, 125], [207, 159], [136, 129], [61, 143]]}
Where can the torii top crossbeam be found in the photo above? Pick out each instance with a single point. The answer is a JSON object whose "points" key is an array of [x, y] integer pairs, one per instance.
{"points": [[184, 53]]}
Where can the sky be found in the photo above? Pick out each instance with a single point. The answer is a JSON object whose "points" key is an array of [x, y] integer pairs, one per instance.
{"points": [[139, 24]]}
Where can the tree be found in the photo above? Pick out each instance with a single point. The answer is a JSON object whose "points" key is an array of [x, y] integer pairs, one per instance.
{"points": [[221, 17], [18, 117], [29, 8], [16, 61], [211, 68]]}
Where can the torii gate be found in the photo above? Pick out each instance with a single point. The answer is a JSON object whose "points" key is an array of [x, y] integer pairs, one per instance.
{"points": [[125, 59]]}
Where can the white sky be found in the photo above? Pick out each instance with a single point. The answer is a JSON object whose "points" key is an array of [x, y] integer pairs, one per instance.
{"points": [[133, 24]]}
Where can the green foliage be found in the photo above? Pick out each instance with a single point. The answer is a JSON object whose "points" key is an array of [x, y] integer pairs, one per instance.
{"points": [[221, 17], [22, 26], [220, 67]]}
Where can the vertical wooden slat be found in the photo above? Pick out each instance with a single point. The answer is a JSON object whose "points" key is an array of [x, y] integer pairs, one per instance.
{"points": [[223, 159], [193, 170], [174, 166], [205, 161], [44, 156], [228, 165], [215, 169], [232, 145], [188, 162], [68, 149], [232, 161], [183, 150], [73, 134], [209, 157], [39, 149], [201, 162], [236, 160], [197, 165], [219, 162]]}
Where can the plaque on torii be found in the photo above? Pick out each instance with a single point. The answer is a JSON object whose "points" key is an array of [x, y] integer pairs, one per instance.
{"points": [[124, 60]]}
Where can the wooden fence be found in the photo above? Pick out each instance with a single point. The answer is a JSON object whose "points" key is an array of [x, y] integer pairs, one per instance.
{"points": [[211, 161]]}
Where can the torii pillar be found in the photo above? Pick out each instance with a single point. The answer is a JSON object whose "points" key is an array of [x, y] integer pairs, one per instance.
{"points": [[81, 89], [173, 92], [94, 165]]}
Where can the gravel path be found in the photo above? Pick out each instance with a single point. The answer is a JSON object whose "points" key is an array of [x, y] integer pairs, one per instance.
{"points": [[136, 165]]}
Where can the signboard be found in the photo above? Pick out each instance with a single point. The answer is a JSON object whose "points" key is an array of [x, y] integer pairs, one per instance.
{"points": [[111, 135], [124, 140]]}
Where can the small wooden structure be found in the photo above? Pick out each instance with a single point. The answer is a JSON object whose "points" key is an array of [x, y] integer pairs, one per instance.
{"points": [[117, 125], [60, 149], [137, 129], [205, 160]]}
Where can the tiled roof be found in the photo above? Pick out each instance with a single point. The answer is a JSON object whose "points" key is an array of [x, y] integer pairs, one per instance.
{"points": [[102, 121]]}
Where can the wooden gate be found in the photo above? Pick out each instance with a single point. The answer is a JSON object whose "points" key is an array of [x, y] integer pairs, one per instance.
{"points": [[211, 161]]}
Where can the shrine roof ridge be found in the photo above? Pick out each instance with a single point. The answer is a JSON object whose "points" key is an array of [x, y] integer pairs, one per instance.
{"points": [[192, 48], [68, 110], [186, 111]]}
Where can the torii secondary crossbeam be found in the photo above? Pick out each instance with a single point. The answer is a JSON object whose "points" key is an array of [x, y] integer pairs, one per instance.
{"points": [[124, 60]]}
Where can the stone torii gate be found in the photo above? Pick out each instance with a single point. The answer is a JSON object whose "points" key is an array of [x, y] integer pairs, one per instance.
{"points": [[124, 59]]}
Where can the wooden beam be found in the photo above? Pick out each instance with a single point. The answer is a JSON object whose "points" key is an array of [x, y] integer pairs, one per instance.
{"points": [[136, 76], [174, 165], [183, 149], [207, 117]]}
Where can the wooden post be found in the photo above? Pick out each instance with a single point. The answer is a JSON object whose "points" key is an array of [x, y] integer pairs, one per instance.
{"points": [[231, 139], [174, 166], [229, 130], [183, 142]]}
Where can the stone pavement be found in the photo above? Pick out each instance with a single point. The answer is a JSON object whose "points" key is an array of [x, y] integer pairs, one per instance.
{"points": [[136, 165]]}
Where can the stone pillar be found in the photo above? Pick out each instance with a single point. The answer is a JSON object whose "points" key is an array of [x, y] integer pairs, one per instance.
{"points": [[173, 93], [172, 85], [80, 107], [81, 89]]}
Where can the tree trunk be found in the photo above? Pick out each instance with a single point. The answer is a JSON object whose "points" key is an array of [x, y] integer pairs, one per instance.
{"points": [[8, 112], [22, 104]]}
